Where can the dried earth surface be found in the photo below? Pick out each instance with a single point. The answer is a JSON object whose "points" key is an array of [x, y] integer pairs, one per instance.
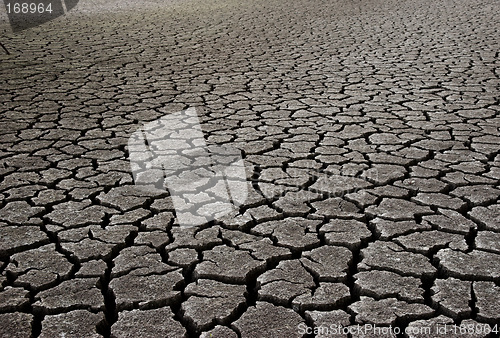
{"points": [[370, 135]]}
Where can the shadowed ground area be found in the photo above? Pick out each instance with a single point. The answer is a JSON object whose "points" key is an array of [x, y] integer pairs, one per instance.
{"points": [[369, 132]]}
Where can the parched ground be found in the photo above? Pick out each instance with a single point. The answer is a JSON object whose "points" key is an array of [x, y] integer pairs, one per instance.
{"points": [[370, 133]]}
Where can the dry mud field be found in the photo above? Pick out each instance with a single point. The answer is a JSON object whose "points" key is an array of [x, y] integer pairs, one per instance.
{"points": [[369, 133]]}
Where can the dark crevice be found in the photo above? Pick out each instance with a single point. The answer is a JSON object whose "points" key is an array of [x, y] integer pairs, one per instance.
{"points": [[470, 239], [110, 313], [36, 326]]}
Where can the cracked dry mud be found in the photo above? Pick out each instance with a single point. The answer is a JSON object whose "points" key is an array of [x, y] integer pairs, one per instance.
{"points": [[370, 134]]}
